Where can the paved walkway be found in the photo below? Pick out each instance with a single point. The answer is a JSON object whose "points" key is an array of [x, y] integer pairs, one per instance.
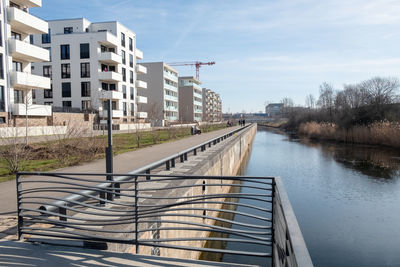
{"points": [[14, 253], [123, 163]]}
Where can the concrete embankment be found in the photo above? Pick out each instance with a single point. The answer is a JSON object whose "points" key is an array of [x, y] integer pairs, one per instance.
{"points": [[224, 159]]}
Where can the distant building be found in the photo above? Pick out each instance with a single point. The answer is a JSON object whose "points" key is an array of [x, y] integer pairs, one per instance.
{"points": [[190, 99], [212, 106], [161, 93], [274, 109]]}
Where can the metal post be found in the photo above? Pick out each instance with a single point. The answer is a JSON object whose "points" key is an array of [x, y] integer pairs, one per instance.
{"points": [[136, 217], [148, 172], [185, 156], [182, 158], [19, 218], [167, 167], [62, 211], [195, 152], [172, 163], [273, 223], [109, 150]]}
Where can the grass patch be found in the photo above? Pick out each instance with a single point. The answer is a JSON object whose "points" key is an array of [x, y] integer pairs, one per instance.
{"points": [[52, 155]]}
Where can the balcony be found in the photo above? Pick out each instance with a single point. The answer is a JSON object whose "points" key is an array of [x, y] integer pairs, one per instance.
{"points": [[111, 95], [171, 108], [171, 118], [26, 23], [33, 110], [141, 115], [141, 69], [115, 113], [171, 76], [25, 80], [110, 58], [197, 103], [110, 76], [141, 99], [141, 84], [29, 3], [107, 38], [170, 87], [139, 54], [171, 98], [26, 52]]}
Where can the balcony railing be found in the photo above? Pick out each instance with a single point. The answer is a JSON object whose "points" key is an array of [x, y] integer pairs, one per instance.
{"points": [[24, 22]]}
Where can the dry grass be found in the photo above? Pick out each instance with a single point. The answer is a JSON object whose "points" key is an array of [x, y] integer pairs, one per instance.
{"points": [[378, 133]]}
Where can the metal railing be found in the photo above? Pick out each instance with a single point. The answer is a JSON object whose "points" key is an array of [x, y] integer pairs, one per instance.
{"points": [[197, 213]]}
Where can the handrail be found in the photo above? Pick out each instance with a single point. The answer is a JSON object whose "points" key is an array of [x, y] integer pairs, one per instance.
{"points": [[169, 161]]}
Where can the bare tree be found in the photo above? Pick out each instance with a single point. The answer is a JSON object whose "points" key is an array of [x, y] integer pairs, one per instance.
{"points": [[380, 90], [12, 151], [155, 116], [310, 101]]}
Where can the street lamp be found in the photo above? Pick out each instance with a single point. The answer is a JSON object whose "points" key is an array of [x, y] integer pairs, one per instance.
{"points": [[109, 149]]}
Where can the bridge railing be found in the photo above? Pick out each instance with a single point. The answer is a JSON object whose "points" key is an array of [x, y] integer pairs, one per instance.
{"points": [[163, 215]]}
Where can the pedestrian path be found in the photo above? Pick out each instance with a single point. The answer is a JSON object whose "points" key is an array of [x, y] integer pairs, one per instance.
{"points": [[123, 163]]}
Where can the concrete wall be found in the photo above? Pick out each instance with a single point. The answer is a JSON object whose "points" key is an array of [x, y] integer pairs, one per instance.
{"points": [[226, 162], [8, 132]]}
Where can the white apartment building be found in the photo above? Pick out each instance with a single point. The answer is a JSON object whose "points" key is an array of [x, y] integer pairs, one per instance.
{"points": [[90, 63], [161, 93], [16, 56], [190, 99], [212, 106]]}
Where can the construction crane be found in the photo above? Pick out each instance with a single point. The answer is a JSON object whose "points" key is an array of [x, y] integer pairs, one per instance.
{"points": [[197, 64]]}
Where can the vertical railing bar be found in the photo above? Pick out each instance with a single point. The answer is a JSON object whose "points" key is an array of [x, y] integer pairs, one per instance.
{"points": [[167, 167], [273, 222], [19, 217], [195, 152], [185, 156], [173, 163], [148, 172], [136, 216]]}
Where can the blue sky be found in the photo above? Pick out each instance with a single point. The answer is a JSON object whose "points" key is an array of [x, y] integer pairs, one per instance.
{"points": [[264, 50]]}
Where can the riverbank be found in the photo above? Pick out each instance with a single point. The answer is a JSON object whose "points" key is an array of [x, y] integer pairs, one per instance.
{"points": [[377, 133]]}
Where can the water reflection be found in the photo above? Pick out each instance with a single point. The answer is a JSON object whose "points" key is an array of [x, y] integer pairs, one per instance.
{"points": [[373, 161]]}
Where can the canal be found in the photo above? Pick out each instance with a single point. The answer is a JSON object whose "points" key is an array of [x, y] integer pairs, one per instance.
{"points": [[346, 198]]}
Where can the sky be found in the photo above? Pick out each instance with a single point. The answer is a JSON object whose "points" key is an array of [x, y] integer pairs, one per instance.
{"points": [[265, 50]]}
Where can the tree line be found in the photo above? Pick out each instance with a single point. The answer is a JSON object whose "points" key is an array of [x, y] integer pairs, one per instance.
{"points": [[359, 104]]}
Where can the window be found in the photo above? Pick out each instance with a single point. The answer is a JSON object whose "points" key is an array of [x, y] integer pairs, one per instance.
{"points": [[114, 105], [1, 67], [48, 103], [131, 61], [132, 109], [46, 38], [124, 91], [85, 89], [47, 72], [123, 39], [66, 89], [86, 104], [66, 104], [124, 74], [112, 87], [123, 57], [124, 108], [64, 51], [132, 93], [33, 94], [131, 76], [104, 86], [30, 39], [68, 30], [85, 70], [103, 48], [16, 36], [85, 53], [48, 93], [17, 66], [18, 97], [2, 98], [65, 71], [130, 44]]}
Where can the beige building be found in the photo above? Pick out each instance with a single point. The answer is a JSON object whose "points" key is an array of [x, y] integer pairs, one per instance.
{"points": [[161, 93], [190, 99], [212, 106]]}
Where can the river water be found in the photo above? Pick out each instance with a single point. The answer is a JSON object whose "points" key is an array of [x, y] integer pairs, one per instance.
{"points": [[346, 198]]}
